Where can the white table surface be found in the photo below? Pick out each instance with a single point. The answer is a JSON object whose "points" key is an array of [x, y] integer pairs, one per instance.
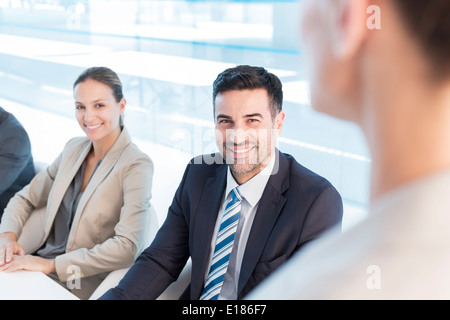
{"points": [[28, 285]]}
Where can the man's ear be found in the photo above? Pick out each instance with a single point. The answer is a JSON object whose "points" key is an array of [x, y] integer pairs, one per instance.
{"points": [[349, 27], [279, 120]]}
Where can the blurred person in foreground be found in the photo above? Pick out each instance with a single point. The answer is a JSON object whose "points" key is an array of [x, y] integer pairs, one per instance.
{"points": [[242, 212], [16, 160], [96, 197], [394, 82]]}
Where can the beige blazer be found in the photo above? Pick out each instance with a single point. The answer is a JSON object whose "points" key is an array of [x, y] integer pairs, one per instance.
{"points": [[110, 224]]}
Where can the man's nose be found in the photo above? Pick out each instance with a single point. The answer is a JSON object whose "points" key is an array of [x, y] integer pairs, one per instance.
{"points": [[237, 136]]}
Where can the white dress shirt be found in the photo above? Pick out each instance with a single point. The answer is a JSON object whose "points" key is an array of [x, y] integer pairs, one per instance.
{"points": [[251, 192]]}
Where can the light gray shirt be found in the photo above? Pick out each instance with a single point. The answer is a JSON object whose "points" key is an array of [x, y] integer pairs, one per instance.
{"points": [[251, 192], [57, 240]]}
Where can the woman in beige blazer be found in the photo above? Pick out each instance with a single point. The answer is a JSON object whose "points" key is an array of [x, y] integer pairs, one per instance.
{"points": [[96, 196]]}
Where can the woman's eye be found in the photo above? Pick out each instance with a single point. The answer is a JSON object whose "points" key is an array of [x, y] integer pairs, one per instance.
{"points": [[99, 105], [79, 107]]}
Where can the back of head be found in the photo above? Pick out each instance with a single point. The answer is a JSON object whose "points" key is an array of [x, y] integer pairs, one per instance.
{"points": [[428, 21]]}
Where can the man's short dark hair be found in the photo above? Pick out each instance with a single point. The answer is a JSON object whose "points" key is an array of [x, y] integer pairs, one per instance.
{"points": [[246, 77]]}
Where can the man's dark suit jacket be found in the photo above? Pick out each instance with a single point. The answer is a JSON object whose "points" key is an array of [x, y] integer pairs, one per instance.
{"points": [[16, 161], [296, 207]]}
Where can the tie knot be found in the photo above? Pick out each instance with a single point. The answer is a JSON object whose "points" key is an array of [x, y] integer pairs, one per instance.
{"points": [[236, 195]]}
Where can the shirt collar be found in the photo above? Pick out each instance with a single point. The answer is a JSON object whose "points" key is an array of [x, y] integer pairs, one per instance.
{"points": [[253, 189]]}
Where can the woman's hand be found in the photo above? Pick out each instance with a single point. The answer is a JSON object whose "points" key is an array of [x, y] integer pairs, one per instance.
{"points": [[30, 263], [9, 247]]}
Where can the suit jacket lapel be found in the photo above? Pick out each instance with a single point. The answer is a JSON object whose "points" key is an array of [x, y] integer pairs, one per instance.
{"points": [[204, 223], [269, 208]]}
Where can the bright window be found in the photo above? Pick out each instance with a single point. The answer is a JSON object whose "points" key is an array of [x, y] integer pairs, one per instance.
{"points": [[167, 54]]}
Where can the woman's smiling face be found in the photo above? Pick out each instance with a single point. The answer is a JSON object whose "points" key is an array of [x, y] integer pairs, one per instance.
{"points": [[97, 111]]}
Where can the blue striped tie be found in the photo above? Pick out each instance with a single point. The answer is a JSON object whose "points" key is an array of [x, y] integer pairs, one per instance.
{"points": [[224, 245]]}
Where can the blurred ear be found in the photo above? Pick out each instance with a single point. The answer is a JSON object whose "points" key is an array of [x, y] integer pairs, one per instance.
{"points": [[349, 27], [122, 103]]}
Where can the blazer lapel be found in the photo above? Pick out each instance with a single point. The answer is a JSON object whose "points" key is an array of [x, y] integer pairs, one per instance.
{"points": [[99, 175], [67, 172], [204, 223], [269, 208]]}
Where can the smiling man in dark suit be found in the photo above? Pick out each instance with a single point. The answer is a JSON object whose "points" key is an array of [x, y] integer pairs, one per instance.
{"points": [[241, 213], [16, 161]]}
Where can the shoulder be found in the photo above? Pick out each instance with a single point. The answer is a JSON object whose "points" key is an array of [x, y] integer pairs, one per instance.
{"points": [[134, 152], [127, 151], [203, 167], [135, 168], [206, 163], [76, 144], [304, 178], [135, 160], [10, 127], [13, 137]]}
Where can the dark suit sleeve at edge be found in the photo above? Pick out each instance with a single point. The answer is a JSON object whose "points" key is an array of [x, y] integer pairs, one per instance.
{"points": [[325, 213], [15, 151], [162, 262]]}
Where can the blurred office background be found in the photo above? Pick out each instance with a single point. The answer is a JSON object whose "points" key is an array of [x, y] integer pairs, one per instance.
{"points": [[167, 54]]}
